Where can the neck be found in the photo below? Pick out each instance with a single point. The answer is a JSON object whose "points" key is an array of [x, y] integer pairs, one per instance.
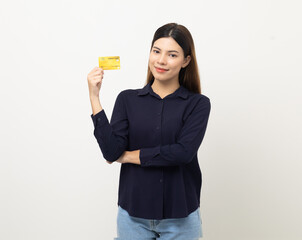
{"points": [[164, 88]]}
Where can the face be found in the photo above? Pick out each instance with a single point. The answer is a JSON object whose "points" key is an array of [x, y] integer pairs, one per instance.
{"points": [[166, 59]]}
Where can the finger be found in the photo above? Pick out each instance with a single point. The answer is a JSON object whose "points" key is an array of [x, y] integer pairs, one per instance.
{"points": [[97, 79], [98, 73], [109, 162], [98, 69], [94, 69]]}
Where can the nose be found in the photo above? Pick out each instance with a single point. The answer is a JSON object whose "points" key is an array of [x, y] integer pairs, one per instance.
{"points": [[161, 59]]}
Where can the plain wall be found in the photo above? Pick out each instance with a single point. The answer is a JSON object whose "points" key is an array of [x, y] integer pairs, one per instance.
{"points": [[54, 182]]}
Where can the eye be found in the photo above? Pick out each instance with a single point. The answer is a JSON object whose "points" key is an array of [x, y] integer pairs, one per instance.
{"points": [[173, 55], [155, 51]]}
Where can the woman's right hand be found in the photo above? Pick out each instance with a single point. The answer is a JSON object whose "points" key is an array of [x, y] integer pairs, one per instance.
{"points": [[95, 78]]}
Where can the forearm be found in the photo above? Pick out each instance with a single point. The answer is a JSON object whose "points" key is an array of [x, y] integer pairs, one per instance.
{"points": [[95, 104], [130, 157], [133, 157], [112, 137], [111, 143], [167, 155]]}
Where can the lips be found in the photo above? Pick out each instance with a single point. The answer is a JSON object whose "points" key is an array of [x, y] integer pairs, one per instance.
{"points": [[161, 69]]}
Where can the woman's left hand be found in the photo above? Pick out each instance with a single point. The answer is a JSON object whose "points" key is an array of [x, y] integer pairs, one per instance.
{"points": [[129, 157]]}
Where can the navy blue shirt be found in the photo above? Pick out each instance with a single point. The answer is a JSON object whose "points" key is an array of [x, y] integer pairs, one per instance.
{"points": [[168, 131]]}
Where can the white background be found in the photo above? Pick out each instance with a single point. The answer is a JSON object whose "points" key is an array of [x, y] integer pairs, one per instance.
{"points": [[54, 182]]}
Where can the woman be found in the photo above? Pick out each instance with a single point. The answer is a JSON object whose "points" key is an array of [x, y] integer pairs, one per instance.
{"points": [[155, 133]]}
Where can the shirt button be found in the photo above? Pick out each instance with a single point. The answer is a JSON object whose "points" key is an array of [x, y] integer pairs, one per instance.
{"points": [[161, 180], [99, 119], [158, 114], [157, 128]]}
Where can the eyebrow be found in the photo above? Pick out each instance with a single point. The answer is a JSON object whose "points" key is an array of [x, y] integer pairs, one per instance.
{"points": [[168, 51]]}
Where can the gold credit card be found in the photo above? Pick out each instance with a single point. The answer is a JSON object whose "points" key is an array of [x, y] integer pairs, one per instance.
{"points": [[109, 63]]}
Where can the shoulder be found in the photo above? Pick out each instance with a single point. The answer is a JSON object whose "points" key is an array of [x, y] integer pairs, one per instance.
{"points": [[198, 97], [205, 100], [199, 101], [202, 97], [125, 92], [128, 93]]}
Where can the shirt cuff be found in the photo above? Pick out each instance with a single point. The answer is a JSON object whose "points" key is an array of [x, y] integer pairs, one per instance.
{"points": [[147, 154], [100, 118]]}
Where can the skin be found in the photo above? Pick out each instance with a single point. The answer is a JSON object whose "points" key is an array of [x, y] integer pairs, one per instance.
{"points": [[166, 54]]}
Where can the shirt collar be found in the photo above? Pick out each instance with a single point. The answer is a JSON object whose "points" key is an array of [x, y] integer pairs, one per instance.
{"points": [[180, 92]]}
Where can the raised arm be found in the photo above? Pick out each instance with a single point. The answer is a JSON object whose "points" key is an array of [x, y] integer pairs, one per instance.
{"points": [[111, 137], [94, 78]]}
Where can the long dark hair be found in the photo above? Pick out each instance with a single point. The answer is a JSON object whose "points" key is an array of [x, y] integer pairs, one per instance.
{"points": [[188, 76]]}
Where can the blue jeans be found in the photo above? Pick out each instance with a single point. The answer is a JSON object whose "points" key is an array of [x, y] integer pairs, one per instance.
{"points": [[132, 228]]}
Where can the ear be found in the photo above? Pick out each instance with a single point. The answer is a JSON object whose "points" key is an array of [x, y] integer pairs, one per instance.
{"points": [[186, 61]]}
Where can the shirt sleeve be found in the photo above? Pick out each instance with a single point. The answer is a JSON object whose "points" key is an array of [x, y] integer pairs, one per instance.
{"points": [[187, 143], [112, 137]]}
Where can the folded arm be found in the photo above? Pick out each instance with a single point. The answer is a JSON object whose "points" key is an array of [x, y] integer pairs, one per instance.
{"points": [[187, 144], [113, 138]]}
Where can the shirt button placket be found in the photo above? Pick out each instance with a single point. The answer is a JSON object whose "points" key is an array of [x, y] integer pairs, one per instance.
{"points": [[162, 176], [159, 114], [160, 122]]}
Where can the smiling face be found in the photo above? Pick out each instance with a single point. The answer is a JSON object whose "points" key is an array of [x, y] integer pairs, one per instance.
{"points": [[166, 59]]}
